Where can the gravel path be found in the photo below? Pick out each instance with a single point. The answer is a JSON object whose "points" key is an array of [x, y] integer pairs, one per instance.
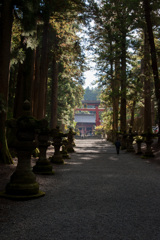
{"points": [[96, 195]]}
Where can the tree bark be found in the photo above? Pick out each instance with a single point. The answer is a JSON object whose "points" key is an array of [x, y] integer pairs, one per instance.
{"points": [[147, 11], [132, 114], [24, 82], [123, 84], [26, 70], [6, 20], [36, 83], [147, 86], [43, 73], [116, 95], [54, 93], [18, 102]]}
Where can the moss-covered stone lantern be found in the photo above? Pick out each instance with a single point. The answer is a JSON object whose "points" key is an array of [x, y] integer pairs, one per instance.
{"points": [[130, 140], [71, 143], [43, 165], [148, 140], [124, 140], [22, 184], [64, 151], [57, 143]]}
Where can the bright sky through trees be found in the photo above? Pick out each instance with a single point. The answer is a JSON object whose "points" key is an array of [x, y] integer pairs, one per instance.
{"points": [[90, 77], [90, 74]]}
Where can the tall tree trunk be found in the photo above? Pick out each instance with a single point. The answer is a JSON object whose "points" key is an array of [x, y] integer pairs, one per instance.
{"points": [[43, 73], [26, 70], [18, 102], [115, 100], [112, 85], [54, 93], [6, 20], [116, 95], [147, 86], [133, 107], [123, 84], [132, 113], [12, 88], [36, 83], [24, 82], [147, 10]]}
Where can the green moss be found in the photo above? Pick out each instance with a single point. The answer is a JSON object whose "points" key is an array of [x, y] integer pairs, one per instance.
{"points": [[36, 152]]}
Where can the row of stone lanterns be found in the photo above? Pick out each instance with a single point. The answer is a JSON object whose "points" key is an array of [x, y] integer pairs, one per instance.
{"points": [[127, 141], [30, 134]]}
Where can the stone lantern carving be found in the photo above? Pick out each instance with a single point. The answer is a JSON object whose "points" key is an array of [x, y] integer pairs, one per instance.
{"points": [[22, 184]]}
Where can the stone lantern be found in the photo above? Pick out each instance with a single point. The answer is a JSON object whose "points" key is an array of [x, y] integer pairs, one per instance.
{"points": [[57, 143], [139, 140], [43, 165], [130, 139], [70, 141], [22, 184], [148, 153], [64, 151], [124, 140]]}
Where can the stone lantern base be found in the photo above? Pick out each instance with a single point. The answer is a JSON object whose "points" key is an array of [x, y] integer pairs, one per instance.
{"points": [[148, 153], [65, 155], [70, 149], [43, 167], [22, 186], [58, 159], [18, 197]]}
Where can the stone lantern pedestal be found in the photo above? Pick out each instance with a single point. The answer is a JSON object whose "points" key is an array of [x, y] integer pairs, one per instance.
{"points": [[130, 139], [148, 153], [139, 143], [22, 184], [124, 141]]}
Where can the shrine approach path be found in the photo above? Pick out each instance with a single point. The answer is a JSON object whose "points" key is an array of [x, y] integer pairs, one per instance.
{"points": [[95, 195]]}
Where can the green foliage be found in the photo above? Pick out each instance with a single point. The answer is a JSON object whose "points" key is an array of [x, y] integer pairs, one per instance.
{"points": [[92, 94], [36, 153], [112, 20], [99, 130]]}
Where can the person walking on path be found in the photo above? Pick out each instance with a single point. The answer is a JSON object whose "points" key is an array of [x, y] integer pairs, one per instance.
{"points": [[117, 144]]}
